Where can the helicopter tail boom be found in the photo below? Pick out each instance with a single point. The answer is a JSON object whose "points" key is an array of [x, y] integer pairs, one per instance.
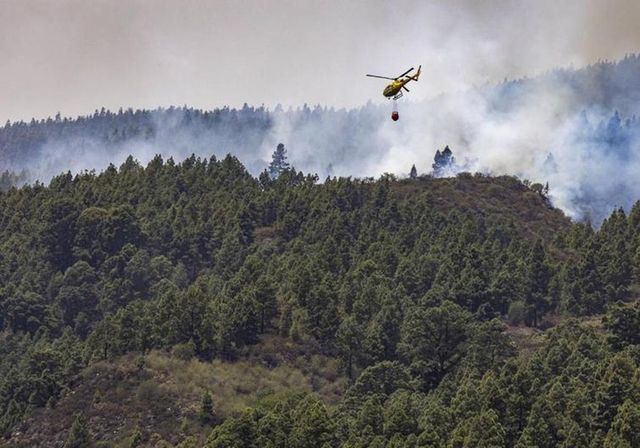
{"points": [[417, 75]]}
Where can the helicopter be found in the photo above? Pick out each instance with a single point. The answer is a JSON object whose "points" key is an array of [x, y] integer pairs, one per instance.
{"points": [[394, 89]]}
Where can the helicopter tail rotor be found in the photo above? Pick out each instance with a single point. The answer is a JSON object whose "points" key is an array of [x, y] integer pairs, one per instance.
{"points": [[417, 75]]}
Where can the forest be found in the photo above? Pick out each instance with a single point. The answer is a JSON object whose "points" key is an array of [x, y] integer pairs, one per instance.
{"points": [[595, 119], [420, 312]]}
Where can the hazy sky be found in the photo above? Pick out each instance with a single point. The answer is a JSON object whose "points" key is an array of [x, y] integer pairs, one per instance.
{"points": [[74, 56]]}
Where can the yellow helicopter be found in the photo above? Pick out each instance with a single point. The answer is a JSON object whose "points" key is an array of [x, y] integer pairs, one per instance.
{"points": [[394, 89]]}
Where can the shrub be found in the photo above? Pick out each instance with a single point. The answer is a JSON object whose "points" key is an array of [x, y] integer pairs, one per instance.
{"points": [[206, 408], [78, 436], [148, 391], [136, 438], [184, 351], [517, 313]]}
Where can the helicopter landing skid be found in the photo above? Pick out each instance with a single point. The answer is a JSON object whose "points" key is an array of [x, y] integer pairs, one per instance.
{"points": [[397, 97]]}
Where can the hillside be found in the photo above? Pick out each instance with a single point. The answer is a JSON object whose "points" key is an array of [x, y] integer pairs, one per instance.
{"points": [[586, 124], [502, 199], [163, 397], [159, 302]]}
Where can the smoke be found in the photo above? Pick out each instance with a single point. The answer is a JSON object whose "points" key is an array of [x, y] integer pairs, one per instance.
{"points": [[92, 143], [561, 128], [74, 56]]}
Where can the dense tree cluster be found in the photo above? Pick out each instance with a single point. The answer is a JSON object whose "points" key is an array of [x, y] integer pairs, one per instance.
{"points": [[106, 131], [573, 391], [411, 299]]}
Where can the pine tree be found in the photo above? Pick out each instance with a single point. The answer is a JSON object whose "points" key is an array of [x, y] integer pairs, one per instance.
{"points": [[433, 340], [540, 430], [265, 296], [414, 172], [330, 170], [624, 431], [237, 432], [614, 389], [622, 322], [480, 431], [539, 276], [399, 414], [312, 425], [371, 416], [443, 161], [136, 438], [12, 415], [348, 342], [206, 408], [79, 434], [278, 161]]}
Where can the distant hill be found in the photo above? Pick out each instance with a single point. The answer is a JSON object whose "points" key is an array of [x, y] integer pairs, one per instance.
{"points": [[586, 119]]}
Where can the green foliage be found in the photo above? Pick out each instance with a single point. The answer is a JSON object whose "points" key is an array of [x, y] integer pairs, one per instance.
{"points": [[184, 351], [10, 179], [312, 426], [434, 340], [380, 380], [78, 436], [12, 415], [617, 384], [279, 162], [349, 342], [188, 442], [624, 430], [206, 412], [406, 283], [136, 438], [234, 433], [479, 431], [623, 323], [517, 313]]}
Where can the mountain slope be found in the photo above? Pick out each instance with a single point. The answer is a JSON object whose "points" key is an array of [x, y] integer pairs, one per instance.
{"points": [[400, 287]]}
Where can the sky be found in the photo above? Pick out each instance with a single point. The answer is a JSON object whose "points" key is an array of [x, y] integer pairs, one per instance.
{"points": [[75, 56]]}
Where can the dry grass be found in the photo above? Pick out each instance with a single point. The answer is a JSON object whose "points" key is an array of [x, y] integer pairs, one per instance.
{"points": [[163, 398], [234, 386], [526, 339]]}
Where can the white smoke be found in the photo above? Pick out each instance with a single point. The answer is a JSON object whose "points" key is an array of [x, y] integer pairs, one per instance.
{"points": [[515, 128], [74, 55], [533, 129]]}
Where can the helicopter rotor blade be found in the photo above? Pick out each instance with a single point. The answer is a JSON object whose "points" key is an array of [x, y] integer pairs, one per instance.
{"points": [[383, 77], [405, 73]]}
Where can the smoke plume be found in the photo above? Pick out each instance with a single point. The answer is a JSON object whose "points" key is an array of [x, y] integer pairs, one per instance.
{"points": [[74, 56]]}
